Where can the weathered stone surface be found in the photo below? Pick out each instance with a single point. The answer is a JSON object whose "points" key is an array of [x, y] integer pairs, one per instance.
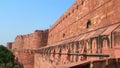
{"points": [[74, 21], [24, 45], [26, 58], [88, 31], [31, 41]]}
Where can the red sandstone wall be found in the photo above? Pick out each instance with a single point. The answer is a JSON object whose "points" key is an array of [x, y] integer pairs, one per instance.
{"points": [[42, 62], [18, 43], [26, 59], [24, 45], [39, 39], [31, 41], [13, 45], [73, 22]]}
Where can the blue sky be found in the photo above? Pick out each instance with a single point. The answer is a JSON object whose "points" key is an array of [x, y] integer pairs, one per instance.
{"points": [[24, 16]]}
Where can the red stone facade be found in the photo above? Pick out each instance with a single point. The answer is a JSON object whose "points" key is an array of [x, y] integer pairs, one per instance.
{"points": [[31, 41], [24, 47], [87, 35], [25, 58], [74, 21]]}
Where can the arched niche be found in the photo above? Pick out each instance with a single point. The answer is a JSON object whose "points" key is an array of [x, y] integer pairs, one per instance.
{"points": [[77, 46], [94, 45], [60, 51], [68, 55], [81, 46], [105, 43], [87, 46], [53, 53], [77, 50], [116, 38]]}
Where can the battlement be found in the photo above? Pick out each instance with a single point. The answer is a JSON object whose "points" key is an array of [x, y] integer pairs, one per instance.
{"points": [[31, 41], [84, 16]]}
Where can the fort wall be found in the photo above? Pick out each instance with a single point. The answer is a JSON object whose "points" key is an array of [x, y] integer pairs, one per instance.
{"points": [[25, 58], [88, 31], [74, 21], [31, 41]]}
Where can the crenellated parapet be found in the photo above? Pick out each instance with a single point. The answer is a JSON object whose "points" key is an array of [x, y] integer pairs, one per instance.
{"points": [[31, 41], [84, 16], [24, 47]]}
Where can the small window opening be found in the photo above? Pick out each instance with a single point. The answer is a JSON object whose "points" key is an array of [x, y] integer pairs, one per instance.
{"points": [[82, 2], [88, 24], [63, 35]]}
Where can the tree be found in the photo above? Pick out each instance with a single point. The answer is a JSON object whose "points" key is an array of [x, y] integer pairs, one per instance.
{"points": [[6, 58]]}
